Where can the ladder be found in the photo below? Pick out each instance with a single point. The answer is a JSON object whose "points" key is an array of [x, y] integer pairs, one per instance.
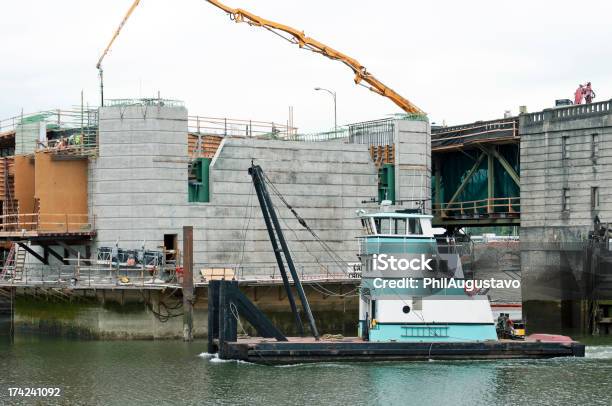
{"points": [[15, 261]]}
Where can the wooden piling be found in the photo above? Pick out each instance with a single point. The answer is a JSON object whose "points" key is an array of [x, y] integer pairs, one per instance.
{"points": [[188, 297]]}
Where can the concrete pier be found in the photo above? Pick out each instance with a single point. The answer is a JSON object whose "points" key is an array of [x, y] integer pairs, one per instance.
{"points": [[566, 167]]}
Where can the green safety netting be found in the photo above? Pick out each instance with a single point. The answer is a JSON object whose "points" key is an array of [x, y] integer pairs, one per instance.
{"points": [[455, 168]]}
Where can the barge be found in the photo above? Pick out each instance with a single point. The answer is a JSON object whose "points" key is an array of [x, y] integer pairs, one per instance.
{"points": [[307, 350], [415, 302]]}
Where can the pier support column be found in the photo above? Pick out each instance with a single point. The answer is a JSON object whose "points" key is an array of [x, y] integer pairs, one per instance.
{"points": [[7, 312], [188, 298]]}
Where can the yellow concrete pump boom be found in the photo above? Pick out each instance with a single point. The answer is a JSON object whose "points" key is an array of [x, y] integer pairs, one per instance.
{"points": [[300, 39], [114, 37], [295, 37]]}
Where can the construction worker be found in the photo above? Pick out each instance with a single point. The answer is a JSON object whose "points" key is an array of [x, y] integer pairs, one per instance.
{"points": [[579, 94], [589, 94], [61, 144]]}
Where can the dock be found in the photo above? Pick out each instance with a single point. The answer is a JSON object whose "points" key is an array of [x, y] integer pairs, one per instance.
{"points": [[299, 350]]}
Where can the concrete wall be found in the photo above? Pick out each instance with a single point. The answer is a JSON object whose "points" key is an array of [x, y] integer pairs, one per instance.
{"points": [[130, 314], [413, 161], [27, 135], [552, 239], [139, 191]]}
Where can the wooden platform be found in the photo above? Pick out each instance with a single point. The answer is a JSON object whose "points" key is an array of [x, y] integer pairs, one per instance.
{"points": [[307, 350]]}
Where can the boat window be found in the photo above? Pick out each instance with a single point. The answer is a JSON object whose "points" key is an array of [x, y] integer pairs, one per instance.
{"points": [[400, 226], [383, 225], [414, 226]]}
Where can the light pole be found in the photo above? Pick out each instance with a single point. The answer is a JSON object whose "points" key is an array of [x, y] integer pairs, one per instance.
{"points": [[335, 109]]}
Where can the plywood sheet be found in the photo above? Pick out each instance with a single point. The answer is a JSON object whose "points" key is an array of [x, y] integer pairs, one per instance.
{"points": [[61, 190], [24, 183]]}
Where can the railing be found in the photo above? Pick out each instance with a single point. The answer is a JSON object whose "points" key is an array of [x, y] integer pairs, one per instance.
{"points": [[377, 132], [152, 101], [497, 206], [442, 137], [238, 127], [569, 112], [76, 127], [80, 273], [333, 135], [406, 245], [59, 223]]}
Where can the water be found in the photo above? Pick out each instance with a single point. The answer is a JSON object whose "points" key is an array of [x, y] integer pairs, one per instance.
{"points": [[173, 372]]}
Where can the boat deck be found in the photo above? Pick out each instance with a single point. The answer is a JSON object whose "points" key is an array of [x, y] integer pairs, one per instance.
{"points": [[307, 350]]}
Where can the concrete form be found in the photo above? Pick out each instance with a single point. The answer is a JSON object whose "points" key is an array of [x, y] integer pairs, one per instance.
{"points": [[413, 162]]}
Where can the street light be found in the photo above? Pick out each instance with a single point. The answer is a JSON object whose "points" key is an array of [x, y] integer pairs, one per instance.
{"points": [[335, 109]]}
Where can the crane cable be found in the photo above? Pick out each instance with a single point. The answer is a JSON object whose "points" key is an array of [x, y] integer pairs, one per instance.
{"points": [[335, 257]]}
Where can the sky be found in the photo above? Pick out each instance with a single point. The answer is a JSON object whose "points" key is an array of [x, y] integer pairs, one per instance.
{"points": [[460, 61]]}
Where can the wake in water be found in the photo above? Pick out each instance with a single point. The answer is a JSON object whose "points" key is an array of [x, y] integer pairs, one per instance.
{"points": [[599, 352], [214, 359]]}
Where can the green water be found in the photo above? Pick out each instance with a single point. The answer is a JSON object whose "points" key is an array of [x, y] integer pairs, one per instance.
{"points": [[173, 372]]}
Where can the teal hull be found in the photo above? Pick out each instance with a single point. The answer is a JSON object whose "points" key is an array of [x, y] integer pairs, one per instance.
{"points": [[433, 332]]}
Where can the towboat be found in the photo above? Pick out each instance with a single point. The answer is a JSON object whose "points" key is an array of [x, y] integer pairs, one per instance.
{"points": [[413, 288]]}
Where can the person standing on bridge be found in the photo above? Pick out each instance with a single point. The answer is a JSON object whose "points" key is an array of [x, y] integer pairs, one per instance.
{"points": [[579, 94], [589, 94]]}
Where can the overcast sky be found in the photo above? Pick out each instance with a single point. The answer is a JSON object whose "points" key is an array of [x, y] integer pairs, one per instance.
{"points": [[460, 61]]}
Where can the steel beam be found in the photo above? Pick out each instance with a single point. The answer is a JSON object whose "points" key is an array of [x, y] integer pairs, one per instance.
{"points": [[515, 177], [470, 173], [51, 251], [490, 182], [257, 183], [438, 184], [258, 180], [33, 253]]}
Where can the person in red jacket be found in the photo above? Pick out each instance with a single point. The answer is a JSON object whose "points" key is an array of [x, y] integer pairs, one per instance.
{"points": [[578, 95]]}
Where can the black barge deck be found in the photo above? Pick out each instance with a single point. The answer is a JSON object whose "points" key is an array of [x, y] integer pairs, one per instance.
{"points": [[307, 350]]}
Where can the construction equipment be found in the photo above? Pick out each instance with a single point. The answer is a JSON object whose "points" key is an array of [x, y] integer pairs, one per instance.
{"points": [[299, 38], [275, 232], [115, 35], [295, 37]]}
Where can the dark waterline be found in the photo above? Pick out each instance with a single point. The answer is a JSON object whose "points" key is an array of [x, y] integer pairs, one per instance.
{"points": [[173, 372]]}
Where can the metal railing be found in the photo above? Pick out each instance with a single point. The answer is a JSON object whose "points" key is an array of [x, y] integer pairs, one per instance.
{"points": [[83, 273], [151, 101], [231, 127], [497, 205], [377, 132], [333, 135], [47, 222], [486, 130], [75, 129]]}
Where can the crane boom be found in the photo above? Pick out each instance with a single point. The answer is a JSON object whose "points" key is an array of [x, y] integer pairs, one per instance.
{"points": [[116, 34], [110, 43], [299, 38]]}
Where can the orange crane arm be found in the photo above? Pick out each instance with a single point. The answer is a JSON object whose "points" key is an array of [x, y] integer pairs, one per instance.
{"points": [[116, 34], [300, 39]]}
